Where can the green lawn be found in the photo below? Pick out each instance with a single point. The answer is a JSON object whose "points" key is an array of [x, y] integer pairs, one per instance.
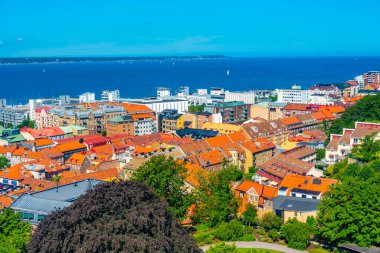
{"points": [[258, 251]]}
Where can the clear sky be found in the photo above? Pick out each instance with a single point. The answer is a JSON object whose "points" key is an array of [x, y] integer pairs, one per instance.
{"points": [[189, 27]]}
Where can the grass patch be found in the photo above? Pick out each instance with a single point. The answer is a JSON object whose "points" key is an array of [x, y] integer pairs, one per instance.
{"points": [[258, 251], [318, 250]]}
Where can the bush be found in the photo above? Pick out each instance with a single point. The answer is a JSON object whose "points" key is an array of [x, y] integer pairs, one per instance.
{"points": [[297, 245], [296, 234], [230, 231], [261, 231], [270, 221], [274, 235], [247, 238], [222, 248]]}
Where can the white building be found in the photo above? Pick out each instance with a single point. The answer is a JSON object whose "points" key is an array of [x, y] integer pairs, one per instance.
{"points": [[201, 92], [248, 97], [183, 91], [146, 125], [360, 81], [163, 92], [159, 104], [110, 95], [3, 102], [321, 99], [293, 95], [87, 97]]}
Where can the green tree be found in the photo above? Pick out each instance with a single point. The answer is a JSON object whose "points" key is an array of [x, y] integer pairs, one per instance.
{"points": [[14, 233], [222, 248], [321, 153], [26, 122], [368, 149], [297, 234], [214, 197], [270, 221], [165, 176], [250, 214], [104, 133], [197, 108], [250, 174], [367, 109], [4, 163], [350, 212]]}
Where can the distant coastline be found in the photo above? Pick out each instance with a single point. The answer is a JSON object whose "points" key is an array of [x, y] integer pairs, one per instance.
{"points": [[26, 60]]}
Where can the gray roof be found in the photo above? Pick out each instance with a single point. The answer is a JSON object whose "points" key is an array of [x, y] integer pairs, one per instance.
{"points": [[68, 192], [27, 202], [295, 204]]}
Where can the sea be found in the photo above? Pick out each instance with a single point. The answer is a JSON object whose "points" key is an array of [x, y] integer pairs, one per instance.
{"points": [[136, 78]]}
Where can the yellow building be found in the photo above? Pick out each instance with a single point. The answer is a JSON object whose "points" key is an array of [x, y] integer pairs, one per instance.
{"points": [[222, 128]]}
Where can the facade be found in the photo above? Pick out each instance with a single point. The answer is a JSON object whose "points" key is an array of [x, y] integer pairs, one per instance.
{"points": [[120, 125], [110, 95], [169, 121], [340, 145], [233, 112], [197, 119], [293, 95], [268, 111], [13, 115], [275, 131], [87, 97], [257, 194], [163, 103], [94, 118], [247, 97], [372, 79], [300, 208], [303, 153], [321, 99]]}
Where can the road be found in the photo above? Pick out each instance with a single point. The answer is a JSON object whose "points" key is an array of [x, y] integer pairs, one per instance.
{"points": [[261, 245]]}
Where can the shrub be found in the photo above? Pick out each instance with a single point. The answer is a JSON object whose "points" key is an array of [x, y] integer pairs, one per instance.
{"points": [[230, 231], [270, 221], [274, 235], [247, 238]]}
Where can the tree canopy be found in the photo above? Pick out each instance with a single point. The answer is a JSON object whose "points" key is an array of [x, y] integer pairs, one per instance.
{"points": [[350, 212], [197, 108], [4, 163], [14, 233], [297, 234], [114, 217], [166, 177], [367, 109], [368, 150], [215, 201]]}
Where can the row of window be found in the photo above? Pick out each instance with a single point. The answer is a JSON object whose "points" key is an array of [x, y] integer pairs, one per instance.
{"points": [[31, 216]]}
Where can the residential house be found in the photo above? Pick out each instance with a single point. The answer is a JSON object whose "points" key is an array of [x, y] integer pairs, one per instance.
{"points": [[120, 125], [303, 153], [299, 208], [79, 162]]}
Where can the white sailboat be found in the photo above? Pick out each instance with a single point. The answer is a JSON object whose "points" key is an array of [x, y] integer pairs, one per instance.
{"points": [[228, 72]]}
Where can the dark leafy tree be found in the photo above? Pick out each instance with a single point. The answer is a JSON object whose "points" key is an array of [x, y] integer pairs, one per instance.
{"points": [[114, 217], [14, 233], [197, 108], [321, 153], [165, 176], [297, 234], [4, 163], [350, 212]]}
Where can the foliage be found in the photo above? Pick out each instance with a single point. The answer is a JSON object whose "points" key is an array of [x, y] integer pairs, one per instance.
{"points": [[215, 200], [321, 153], [14, 233], [342, 170], [114, 217], [4, 163], [270, 221], [26, 122], [250, 174], [368, 150], [273, 98], [231, 231], [350, 211], [297, 234], [165, 176], [104, 133], [222, 248], [274, 235], [197, 108], [367, 109], [250, 214], [56, 178]]}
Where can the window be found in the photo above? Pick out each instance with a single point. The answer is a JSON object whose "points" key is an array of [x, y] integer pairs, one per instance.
{"points": [[40, 217], [293, 194], [314, 197], [304, 196]]}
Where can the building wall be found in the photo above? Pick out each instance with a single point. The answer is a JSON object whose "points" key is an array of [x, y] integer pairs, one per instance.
{"points": [[247, 97], [260, 111], [300, 216], [293, 96], [122, 128]]}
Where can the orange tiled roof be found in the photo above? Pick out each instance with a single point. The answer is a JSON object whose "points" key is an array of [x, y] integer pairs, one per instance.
{"points": [[142, 116], [290, 120], [76, 159], [319, 116], [211, 157], [35, 183], [15, 172], [99, 175], [5, 201], [262, 190], [293, 181], [333, 109], [328, 114], [69, 146], [136, 108], [257, 146]]}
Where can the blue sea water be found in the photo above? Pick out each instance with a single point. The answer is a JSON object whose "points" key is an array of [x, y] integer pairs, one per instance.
{"points": [[19, 82]]}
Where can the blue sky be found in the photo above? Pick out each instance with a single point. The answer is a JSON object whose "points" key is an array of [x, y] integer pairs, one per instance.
{"points": [[189, 27]]}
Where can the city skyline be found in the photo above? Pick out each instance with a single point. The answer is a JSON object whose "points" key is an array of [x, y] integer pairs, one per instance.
{"points": [[134, 28]]}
